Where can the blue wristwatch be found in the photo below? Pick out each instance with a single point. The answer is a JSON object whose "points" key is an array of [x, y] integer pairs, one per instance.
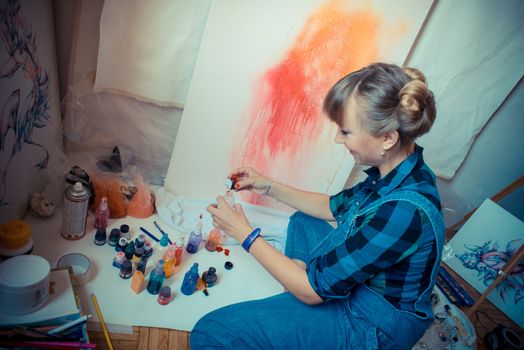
{"points": [[250, 239]]}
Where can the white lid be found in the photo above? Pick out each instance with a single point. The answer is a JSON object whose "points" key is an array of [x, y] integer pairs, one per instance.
{"points": [[23, 272], [78, 187]]}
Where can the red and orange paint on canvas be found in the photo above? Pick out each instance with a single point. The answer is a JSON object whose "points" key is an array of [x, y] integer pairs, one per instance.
{"points": [[286, 119]]}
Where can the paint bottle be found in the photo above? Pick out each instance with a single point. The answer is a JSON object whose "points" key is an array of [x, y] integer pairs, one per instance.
{"points": [[162, 246], [139, 252], [195, 238], [190, 280], [119, 259], [130, 250], [179, 251], [114, 236], [102, 214], [148, 250], [126, 270], [124, 232], [164, 297], [170, 261], [141, 266], [214, 238], [156, 278], [100, 236], [210, 277], [122, 244], [76, 202], [137, 283], [140, 240]]}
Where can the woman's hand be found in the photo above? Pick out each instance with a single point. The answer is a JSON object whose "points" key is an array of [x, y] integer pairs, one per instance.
{"points": [[251, 180], [231, 220]]}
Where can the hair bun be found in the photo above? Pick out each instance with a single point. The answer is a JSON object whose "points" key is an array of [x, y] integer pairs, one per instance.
{"points": [[414, 74], [416, 109]]}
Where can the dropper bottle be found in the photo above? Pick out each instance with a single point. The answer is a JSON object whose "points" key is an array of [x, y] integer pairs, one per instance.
{"points": [[156, 278], [195, 238], [190, 280], [162, 246], [102, 214]]}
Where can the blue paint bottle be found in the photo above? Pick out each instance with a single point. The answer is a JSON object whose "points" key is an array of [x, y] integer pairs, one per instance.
{"points": [[190, 280], [156, 278], [210, 277], [195, 238]]}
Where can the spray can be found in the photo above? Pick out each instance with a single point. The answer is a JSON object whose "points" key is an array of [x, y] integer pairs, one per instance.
{"points": [[76, 202]]}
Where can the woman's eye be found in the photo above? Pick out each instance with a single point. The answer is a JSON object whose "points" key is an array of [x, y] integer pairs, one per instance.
{"points": [[344, 133]]}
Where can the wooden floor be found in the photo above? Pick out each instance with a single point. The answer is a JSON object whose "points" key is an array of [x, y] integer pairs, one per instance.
{"points": [[164, 339], [144, 338]]}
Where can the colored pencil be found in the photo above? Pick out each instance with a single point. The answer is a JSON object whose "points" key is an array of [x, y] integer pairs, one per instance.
{"points": [[48, 344], [69, 324], [102, 323]]}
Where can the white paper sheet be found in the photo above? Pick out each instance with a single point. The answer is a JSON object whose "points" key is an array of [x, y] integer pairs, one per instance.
{"points": [[473, 55], [148, 48]]}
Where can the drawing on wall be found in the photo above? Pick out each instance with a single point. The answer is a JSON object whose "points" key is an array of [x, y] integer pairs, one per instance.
{"points": [[23, 111], [481, 248], [258, 86]]}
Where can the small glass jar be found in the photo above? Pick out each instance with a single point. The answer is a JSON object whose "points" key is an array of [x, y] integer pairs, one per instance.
{"points": [[164, 296], [126, 270]]}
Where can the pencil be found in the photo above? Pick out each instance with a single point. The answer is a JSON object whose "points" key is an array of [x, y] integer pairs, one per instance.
{"points": [[102, 323], [69, 324], [48, 344]]}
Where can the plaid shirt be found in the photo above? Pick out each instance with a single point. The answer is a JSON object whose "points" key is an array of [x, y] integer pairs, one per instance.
{"points": [[380, 251]]}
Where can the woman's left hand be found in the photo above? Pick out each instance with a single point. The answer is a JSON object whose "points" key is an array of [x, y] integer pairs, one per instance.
{"points": [[231, 220]]}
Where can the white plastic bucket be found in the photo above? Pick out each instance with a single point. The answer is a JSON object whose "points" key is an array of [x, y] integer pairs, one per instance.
{"points": [[24, 284]]}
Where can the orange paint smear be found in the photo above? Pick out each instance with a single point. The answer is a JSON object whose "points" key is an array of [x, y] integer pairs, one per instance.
{"points": [[286, 118]]}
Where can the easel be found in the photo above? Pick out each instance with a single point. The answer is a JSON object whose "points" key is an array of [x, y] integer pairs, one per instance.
{"points": [[515, 259]]}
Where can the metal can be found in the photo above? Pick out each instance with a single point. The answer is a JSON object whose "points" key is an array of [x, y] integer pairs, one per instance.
{"points": [[76, 202]]}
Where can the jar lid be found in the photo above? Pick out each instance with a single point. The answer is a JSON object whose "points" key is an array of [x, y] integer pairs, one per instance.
{"points": [[23, 273]]}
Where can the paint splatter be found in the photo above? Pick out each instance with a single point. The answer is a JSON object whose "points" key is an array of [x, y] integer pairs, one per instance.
{"points": [[286, 118]]}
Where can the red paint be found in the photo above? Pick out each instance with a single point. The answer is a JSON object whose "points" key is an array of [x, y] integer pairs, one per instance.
{"points": [[286, 121], [226, 251], [219, 249]]}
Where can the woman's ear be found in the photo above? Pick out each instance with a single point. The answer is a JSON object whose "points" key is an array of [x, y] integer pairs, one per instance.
{"points": [[390, 139]]}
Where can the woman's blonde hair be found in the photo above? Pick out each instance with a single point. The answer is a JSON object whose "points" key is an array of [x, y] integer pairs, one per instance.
{"points": [[391, 98]]}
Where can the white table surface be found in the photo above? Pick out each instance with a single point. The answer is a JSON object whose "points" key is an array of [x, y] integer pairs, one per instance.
{"points": [[121, 307]]}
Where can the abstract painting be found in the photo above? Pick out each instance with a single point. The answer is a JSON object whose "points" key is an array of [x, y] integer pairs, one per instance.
{"points": [[259, 82]]}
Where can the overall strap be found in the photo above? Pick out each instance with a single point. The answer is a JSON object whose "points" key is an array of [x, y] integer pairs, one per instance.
{"points": [[437, 223]]}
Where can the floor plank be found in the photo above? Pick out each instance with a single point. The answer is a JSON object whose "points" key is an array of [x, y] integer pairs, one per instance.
{"points": [[143, 339]]}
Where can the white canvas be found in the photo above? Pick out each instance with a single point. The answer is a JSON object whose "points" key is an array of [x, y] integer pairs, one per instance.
{"points": [[481, 248], [252, 55]]}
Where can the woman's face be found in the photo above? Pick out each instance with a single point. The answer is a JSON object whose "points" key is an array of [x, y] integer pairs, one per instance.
{"points": [[364, 147]]}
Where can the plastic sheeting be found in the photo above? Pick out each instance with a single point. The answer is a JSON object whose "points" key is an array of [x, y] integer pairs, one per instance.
{"points": [[96, 122]]}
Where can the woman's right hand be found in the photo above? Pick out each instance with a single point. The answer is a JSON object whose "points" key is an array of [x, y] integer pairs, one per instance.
{"points": [[249, 179]]}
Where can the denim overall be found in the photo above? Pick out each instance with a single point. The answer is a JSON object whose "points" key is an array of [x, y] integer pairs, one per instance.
{"points": [[401, 327], [364, 320]]}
